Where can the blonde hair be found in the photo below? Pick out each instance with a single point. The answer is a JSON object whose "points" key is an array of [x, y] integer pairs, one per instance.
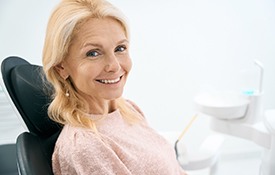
{"points": [[63, 24]]}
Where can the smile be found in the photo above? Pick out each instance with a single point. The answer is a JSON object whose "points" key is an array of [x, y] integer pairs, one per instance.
{"points": [[110, 81]]}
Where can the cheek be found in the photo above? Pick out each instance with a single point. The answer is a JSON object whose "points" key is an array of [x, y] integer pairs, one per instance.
{"points": [[83, 74], [128, 65]]}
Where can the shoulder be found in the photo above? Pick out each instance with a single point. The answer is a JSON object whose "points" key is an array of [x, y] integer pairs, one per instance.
{"points": [[77, 151], [74, 141], [75, 136], [76, 144]]}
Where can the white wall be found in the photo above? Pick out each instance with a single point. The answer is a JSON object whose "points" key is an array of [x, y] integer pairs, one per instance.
{"points": [[179, 48]]}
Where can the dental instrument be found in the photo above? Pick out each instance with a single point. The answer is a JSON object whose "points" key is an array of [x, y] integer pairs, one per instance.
{"points": [[243, 116]]}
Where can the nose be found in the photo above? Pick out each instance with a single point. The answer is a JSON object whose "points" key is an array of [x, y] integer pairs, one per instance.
{"points": [[112, 64]]}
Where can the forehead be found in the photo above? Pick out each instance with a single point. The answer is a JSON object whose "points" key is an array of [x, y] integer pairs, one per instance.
{"points": [[98, 28]]}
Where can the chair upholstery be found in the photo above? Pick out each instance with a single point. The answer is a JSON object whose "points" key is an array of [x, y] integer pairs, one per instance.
{"points": [[30, 93]]}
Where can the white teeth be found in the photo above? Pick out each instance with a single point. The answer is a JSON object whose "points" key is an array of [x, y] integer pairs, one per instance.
{"points": [[110, 81]]}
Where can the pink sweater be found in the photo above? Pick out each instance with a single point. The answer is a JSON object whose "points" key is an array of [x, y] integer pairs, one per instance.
{"points": [[122, 149]]}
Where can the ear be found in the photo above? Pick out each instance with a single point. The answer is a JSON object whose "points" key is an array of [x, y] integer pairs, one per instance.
{"points": [[62, 71]]}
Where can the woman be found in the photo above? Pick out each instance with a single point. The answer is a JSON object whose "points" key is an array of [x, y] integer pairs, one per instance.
{"points": [[86, 59]]}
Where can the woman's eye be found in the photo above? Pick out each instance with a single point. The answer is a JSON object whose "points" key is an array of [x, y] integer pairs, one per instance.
{"points": [[92, 54], [120, 49]]}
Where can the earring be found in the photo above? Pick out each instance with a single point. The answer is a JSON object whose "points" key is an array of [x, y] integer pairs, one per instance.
{"points": [[67, 93]]}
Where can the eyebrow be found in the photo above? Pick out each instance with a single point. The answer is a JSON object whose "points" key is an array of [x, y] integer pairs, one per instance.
{"points": [[124, 41], [99, 45]]}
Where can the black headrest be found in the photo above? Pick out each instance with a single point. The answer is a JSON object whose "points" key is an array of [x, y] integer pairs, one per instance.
{"points": [[30, 93]]}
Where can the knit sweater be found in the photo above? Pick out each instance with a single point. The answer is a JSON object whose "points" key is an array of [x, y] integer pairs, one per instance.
{"points": [[119, 148]]}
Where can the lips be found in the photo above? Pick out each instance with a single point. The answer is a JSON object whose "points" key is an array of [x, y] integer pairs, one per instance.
{"points": [[109, 81]]}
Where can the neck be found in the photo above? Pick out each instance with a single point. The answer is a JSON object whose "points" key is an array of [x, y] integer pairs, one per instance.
{"points": [[103, 107], [112, 106]]}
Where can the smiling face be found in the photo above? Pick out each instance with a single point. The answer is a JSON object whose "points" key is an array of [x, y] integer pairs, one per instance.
{"points": [[98, 61]]}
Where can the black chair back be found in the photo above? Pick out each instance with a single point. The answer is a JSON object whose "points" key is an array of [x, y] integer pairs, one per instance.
{"points": [[31, 95]]}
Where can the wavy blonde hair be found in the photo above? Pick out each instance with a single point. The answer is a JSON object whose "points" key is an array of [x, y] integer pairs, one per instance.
{"points": [[63, 24]]}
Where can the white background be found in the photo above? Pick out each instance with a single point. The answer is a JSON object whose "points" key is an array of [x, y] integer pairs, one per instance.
{"points": [[179, 48]]}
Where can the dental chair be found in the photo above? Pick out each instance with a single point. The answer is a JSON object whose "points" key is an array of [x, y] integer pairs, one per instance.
{"points": [[30, 94]]}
